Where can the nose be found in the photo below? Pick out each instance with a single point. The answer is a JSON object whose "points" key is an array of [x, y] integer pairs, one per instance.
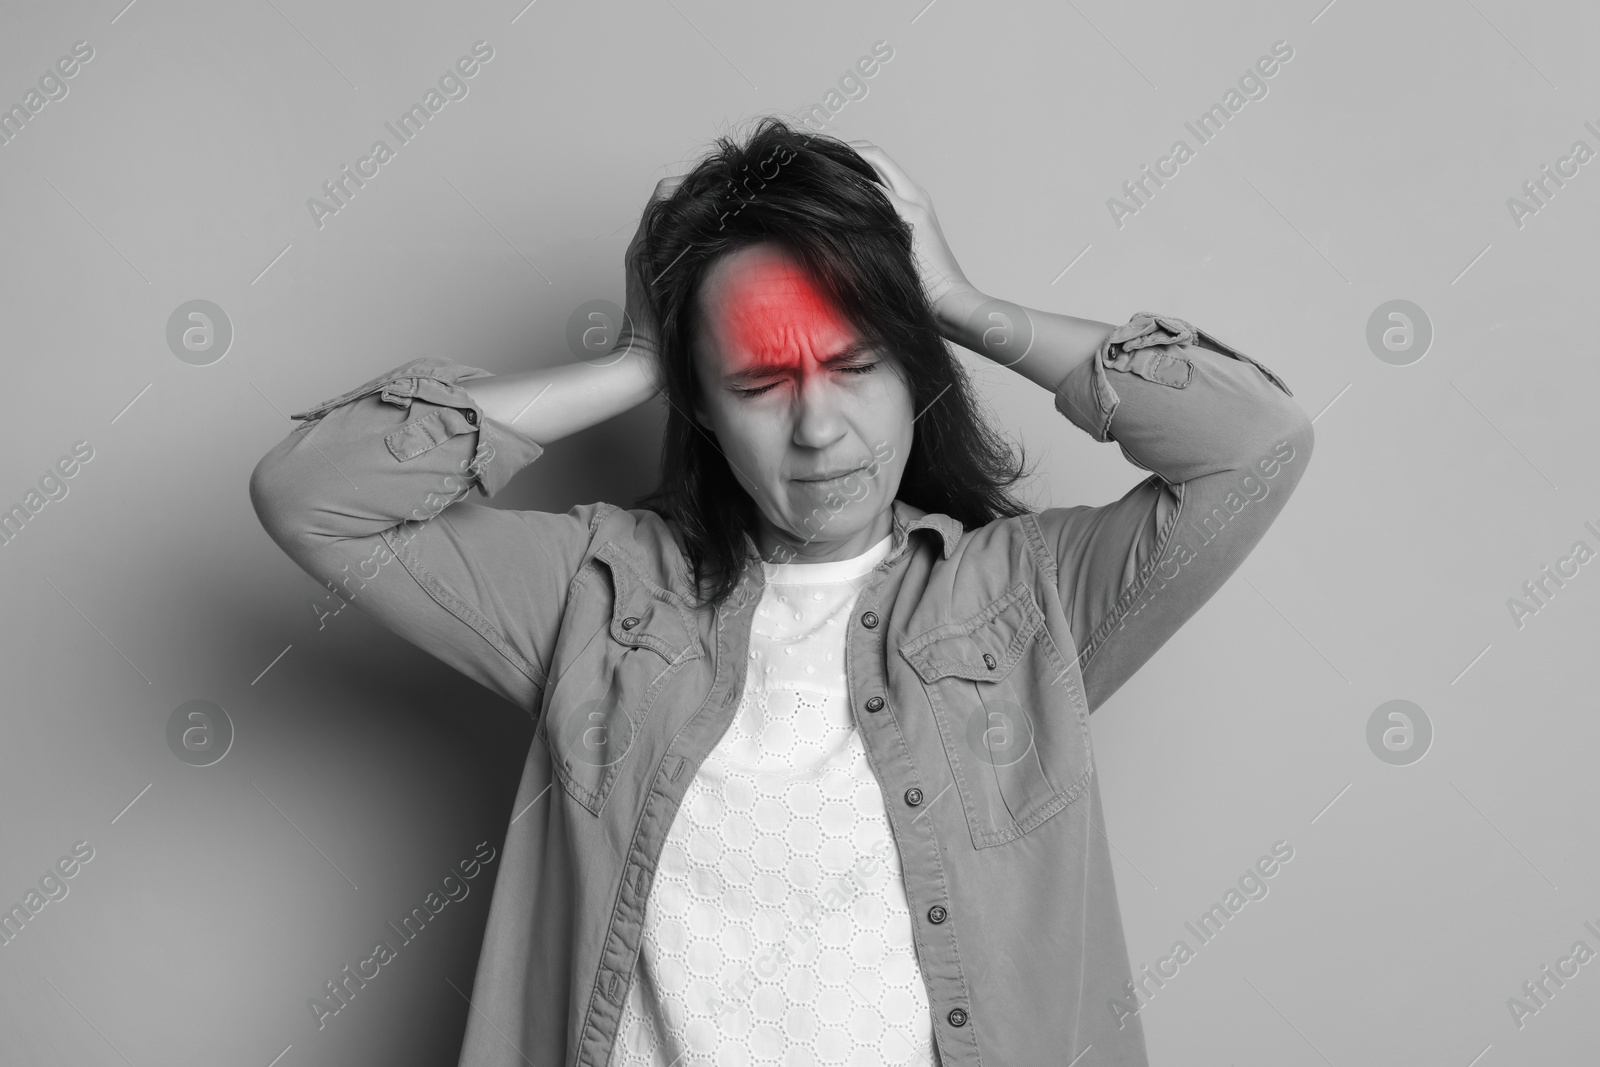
{"points": [[818, 421]]}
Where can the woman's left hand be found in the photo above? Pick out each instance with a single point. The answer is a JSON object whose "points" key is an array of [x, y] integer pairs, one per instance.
{"points": [[942, 276]]}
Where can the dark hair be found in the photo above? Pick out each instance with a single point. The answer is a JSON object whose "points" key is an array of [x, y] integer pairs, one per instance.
{"points": [[816, 198]]}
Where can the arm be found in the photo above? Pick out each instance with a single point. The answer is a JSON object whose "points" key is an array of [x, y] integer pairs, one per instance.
{"points": [[549, 404], [1227, 447], [367, 496], [1225, 444], [1041, 346]]}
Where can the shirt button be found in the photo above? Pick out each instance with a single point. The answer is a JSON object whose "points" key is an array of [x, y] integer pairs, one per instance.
{"points": [[630, 622], [937, 914], [875, 704], [870, 620], [988, 661], [957, 1017], [472, 416], [913, 796]]}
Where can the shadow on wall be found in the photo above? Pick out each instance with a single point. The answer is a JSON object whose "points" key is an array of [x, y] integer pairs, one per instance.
{"points": [[617, 461]]}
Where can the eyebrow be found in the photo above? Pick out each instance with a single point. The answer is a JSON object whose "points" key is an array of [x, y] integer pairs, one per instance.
{"points": [[769, 368]]}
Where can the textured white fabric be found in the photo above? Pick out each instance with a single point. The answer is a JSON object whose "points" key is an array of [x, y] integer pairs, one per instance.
{"points": [[776, 931]]}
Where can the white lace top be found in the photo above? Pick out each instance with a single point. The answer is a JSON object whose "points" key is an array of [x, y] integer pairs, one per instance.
{"points": [[776, 931]]}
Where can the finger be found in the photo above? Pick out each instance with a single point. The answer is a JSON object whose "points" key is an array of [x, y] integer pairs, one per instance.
{"points": [[874, 156], [884, 177], [893, 174], [666, 186]]}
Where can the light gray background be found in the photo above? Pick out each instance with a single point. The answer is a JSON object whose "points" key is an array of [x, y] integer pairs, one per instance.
{"points": [[1377, 167]]}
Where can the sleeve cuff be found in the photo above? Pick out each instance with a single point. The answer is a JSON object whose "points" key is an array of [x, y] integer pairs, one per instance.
{"points": [[501, 451], [1146, 345]]}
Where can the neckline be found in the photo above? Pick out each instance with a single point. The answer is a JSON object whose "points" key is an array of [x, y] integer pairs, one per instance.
{"points": [[837, 570]]}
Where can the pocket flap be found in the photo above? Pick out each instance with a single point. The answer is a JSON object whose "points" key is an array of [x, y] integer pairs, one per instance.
{"points": [[983, 648], [1159, 365], [433, 429], [643, 614], [398, 387]]}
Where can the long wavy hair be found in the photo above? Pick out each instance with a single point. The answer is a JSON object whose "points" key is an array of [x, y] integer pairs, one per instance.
{"points": [[816, 198]]}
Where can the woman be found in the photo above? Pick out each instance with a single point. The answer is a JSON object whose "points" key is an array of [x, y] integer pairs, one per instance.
{"points": [[812, 777]]}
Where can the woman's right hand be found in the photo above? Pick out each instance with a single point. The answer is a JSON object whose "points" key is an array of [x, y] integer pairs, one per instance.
{"points": [[640, 332]]}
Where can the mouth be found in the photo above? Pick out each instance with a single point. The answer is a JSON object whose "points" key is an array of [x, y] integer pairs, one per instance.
{"points": [[830, 478]]}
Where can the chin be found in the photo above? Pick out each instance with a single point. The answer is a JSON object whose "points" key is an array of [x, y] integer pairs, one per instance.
{"points": [[823, 522]]}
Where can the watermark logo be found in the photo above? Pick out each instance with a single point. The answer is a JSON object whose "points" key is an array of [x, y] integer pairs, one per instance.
{"points": [[851, 87], [52, 888], [594, 329], [451, 489], [1551, 579], [1003, 331], [856, 489], [1253, 487], [1399, 332], [338, 991], [1543, 188], [605, 739], [453, 85], [1539, 991], [199, 332], [1399, 732], [1251, 887], [1252, 85], [52, 87], [199, 732], [999, 733], [52, 486]]}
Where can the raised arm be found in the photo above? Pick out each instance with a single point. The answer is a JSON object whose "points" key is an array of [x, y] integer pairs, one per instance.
{"points": [[368, 497], [1226, 447], [1225, 444], [368, 494]]}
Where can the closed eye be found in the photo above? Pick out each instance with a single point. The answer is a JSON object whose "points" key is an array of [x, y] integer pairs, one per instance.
{"points": [[865, 368]]}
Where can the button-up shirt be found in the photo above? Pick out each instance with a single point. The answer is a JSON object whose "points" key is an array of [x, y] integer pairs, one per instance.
{"points": [[973, 659]]}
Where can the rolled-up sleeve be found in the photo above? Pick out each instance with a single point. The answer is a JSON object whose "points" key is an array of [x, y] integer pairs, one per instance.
{"points": [[368, 494], [1226, 446]]}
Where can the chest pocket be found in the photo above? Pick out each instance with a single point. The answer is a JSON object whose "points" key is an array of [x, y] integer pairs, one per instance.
{"points": [[622, 640], [1011, 713]]}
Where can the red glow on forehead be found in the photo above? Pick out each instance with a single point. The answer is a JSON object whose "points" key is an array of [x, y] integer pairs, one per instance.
{"points": [[771, 313]]}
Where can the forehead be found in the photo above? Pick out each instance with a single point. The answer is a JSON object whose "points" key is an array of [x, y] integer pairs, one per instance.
{"points": [[759, 304]]}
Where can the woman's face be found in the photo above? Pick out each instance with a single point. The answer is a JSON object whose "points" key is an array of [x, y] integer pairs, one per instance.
{"points": [[815, 424]]}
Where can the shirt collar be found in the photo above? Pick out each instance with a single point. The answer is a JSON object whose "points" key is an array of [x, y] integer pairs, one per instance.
{"points": [[906, 518]]}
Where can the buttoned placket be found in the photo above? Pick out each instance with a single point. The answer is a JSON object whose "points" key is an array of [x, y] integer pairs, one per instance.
{"points": [[933, 922], [684, 755], [867, 686]]}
